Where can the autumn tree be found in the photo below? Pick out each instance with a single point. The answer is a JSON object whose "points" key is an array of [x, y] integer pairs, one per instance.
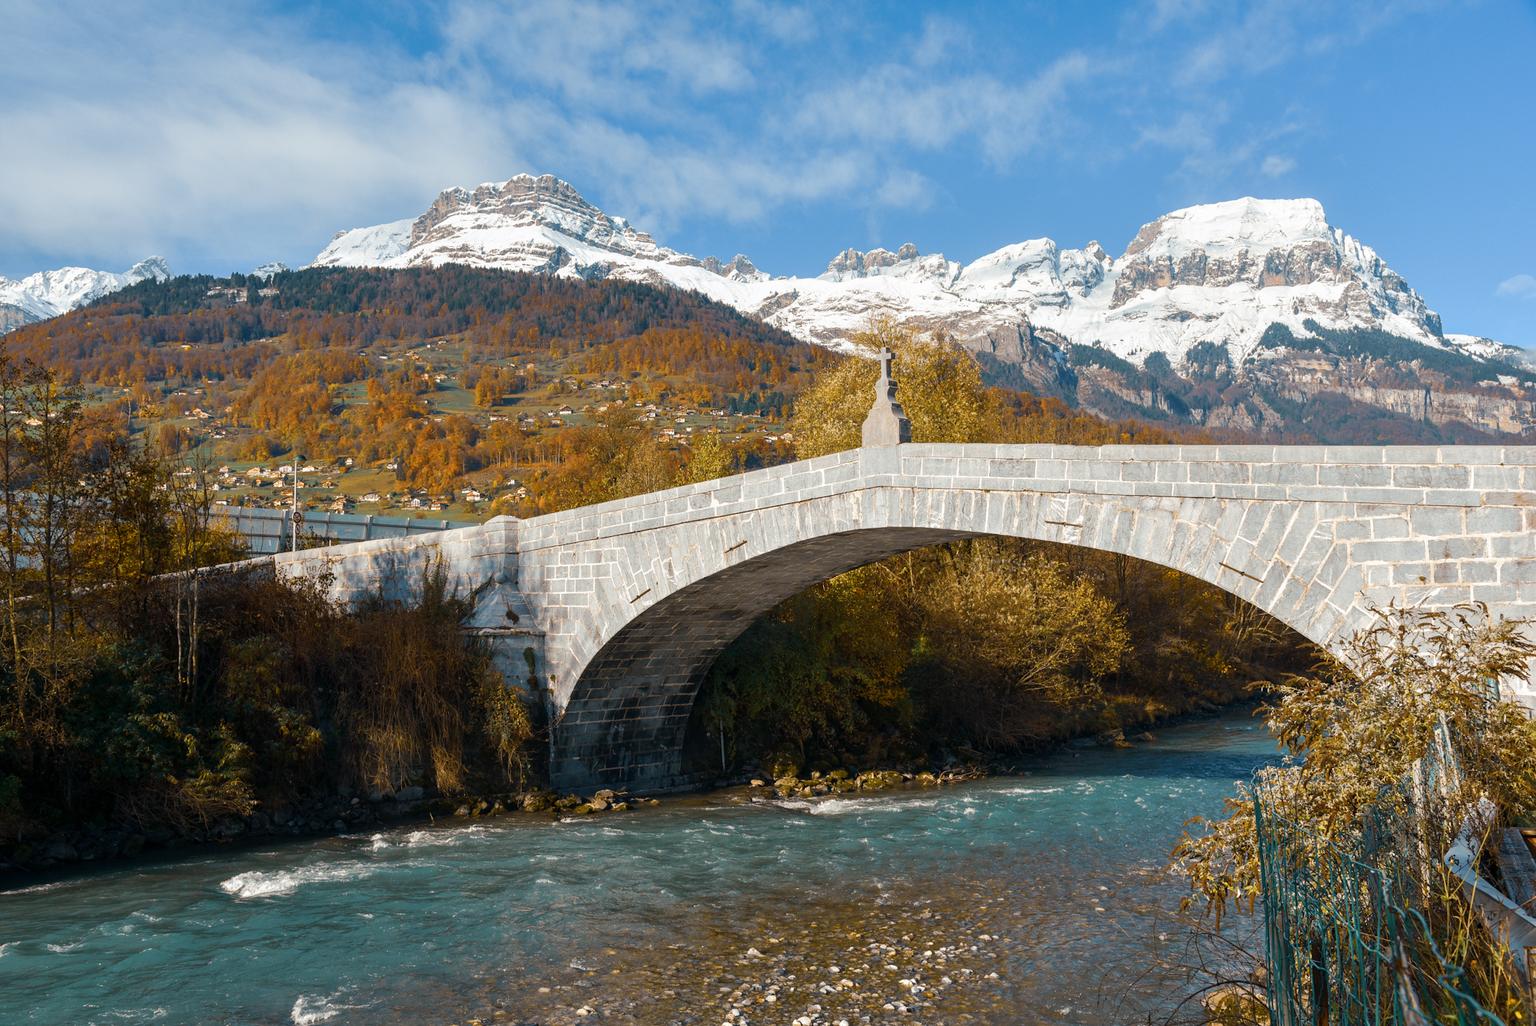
{"points": [[939, 385], [1355, 731], [709, 457], [1023, 634], [616, 456]]}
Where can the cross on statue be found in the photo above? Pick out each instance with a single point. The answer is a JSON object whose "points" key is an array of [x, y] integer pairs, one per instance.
{"points": [[887, 422]]}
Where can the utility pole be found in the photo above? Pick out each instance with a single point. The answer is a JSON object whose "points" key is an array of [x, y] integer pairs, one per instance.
{"points": [[295, 517]]}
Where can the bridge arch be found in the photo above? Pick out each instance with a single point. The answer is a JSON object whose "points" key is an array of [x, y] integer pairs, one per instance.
{"points": [[638, 597]]}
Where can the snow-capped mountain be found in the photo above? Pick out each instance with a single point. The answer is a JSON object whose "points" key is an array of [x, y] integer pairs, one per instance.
{"points": [[1221, 273], [50, 293], [532, 224]]}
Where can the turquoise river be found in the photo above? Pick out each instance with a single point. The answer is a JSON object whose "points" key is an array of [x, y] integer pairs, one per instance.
{"points": [[1038, 898]]}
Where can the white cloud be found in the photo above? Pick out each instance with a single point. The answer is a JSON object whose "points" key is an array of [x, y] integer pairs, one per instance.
{"points": [[1219, 153], [613, 53], [1260, 40], [1520, 286], [194, 138], [1250, 39], [1276, 166], [240, 135], [896, 104], [237, 133], [789, 23], [906, 190], [1163, 13], [941, 38]]}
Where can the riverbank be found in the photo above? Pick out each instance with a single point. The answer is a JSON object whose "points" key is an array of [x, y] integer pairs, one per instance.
{"points": [[57, 854], [338, 815]]}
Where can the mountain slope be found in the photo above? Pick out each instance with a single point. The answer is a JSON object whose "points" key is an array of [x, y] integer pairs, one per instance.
{"points": [[51, 293], [1204, 293]]}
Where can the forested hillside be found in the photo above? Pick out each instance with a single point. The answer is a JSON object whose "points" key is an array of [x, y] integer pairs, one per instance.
{"points": [[458, 390], [420, 388]]}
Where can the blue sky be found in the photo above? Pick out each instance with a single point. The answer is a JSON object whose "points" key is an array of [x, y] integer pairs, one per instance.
{"points": [[222, 136]]}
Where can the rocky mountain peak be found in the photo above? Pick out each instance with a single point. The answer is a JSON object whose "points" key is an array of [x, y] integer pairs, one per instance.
{"points": [[50, 293], [906, 261], [1247, 225], [1265, 244], [738, 268], [531, 200], [854, 263], [150, 267]]}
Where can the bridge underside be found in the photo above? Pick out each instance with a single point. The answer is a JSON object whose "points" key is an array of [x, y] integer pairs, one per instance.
{"points": [[625, 722]]}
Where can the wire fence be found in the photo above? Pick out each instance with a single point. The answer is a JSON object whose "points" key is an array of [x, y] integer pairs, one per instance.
{"points": [[1344, 943]]}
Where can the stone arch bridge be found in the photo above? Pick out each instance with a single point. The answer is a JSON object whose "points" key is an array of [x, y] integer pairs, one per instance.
{"points": [[621, 607]]}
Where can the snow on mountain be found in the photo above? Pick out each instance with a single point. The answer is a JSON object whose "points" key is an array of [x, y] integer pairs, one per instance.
{"points": [[379, 246], [1220, 273], [50, 293], [537, 224], [267, 270], [1481, 348], [1224, 272]]}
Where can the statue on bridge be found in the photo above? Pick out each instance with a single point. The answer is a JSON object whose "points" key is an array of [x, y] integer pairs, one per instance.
{"points": [[887, 423]]}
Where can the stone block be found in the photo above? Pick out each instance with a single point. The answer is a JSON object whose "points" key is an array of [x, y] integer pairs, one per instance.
{"points": [[1352, 530], [1421, 476], [1352, 454], [1309, 454], [1354, 475], [1457, 548], [1284, 473], [1493, 520], [1219, 473], [1435, 522], [1246, 454], [1510, 479], [1479, 571]]}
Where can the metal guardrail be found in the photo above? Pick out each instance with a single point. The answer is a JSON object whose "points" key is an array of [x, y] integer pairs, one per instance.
{"points": [[269, 530]]}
